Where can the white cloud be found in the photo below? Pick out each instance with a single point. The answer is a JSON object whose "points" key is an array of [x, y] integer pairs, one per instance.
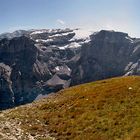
{"points": [[123, 25], [60, 21]]}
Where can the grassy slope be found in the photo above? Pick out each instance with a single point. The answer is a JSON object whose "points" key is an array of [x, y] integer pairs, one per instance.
{"points": [[103, 110]]}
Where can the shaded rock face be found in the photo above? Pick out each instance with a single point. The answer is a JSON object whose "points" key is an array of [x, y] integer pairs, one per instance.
{"points": [[18, 57], [106, 55], [6, 93], [38, 62]]}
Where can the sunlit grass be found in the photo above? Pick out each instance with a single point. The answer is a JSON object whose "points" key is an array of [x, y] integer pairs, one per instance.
{"points": [[103, 110]]}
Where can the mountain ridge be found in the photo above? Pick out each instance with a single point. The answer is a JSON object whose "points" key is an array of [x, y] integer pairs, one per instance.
{"points": [[39, 62]]}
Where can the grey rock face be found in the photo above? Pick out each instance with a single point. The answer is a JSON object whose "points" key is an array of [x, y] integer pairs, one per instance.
{"points": [[105, 56], [6, 92], [37, 62]]}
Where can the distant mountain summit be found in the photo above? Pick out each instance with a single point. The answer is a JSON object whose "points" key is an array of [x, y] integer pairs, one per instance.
{"points": [[35, 63]]}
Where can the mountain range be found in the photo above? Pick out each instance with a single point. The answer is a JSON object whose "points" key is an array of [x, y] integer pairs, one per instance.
{"points": [[34, 63]]}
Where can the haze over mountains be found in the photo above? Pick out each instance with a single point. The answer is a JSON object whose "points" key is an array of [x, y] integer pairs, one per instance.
{"points": [[38, 62]]}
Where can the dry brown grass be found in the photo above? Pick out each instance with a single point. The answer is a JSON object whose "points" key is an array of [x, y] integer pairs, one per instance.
{"points": [[103, 110]]}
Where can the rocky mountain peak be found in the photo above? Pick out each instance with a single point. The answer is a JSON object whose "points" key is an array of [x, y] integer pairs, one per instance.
{"points": [[47, 60], [110, 36]]}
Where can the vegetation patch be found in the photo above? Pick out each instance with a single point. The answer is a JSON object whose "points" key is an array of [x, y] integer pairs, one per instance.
{"points": [[102, 110]]}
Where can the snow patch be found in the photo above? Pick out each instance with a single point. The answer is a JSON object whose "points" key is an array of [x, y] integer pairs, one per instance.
{"points": [[137, 49], [128, 38], [62, 48], [74, 45], [128, 66], [82, 33], [39, 32], [42, 40], [60, 34], [69, 69], [71, 45], [57, 68]]}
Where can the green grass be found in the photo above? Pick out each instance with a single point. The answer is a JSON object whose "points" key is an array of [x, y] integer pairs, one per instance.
{"points": [[103, 110]]}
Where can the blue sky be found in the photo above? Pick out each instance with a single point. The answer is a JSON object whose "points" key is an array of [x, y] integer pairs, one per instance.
{"points": [[120, 15]]}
